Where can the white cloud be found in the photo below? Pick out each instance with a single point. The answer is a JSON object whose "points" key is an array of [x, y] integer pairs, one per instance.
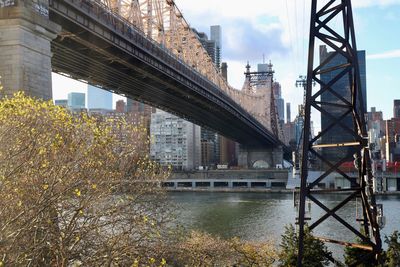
{"points": [[385, 55], [370, 3]]}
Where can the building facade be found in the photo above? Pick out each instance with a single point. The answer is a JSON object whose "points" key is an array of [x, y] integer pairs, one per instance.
{"points": [[396, 108], [216, 36], [288, 113], [76, 101], [120, 106], [174, 141], [61, 102], [99, 98], [331, 103]]}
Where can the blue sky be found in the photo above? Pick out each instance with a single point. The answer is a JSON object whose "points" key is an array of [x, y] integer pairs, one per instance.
{"points": [[279, 30]]}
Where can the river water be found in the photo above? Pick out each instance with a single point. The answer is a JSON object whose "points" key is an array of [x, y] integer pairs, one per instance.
{"points": [[263, 216]]}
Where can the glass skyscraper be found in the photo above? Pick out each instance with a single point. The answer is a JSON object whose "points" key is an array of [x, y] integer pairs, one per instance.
{"points": [[336, 106], [216, 36], [99, 98], [76, 101]]}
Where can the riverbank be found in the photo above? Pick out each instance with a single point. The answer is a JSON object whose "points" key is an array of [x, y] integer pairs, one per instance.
{"points": [[255, 190], [231, 190]]}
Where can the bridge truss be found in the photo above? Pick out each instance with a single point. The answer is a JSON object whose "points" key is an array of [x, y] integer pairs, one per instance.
{"points": [[164, 23], [354, 146]]}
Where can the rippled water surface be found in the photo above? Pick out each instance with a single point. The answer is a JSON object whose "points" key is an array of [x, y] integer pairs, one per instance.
{"points": [[262, 216]]}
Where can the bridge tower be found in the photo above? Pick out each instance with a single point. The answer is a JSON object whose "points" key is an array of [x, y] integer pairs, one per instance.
{"points": [[25, 55], [249, 157], [345, 102]]}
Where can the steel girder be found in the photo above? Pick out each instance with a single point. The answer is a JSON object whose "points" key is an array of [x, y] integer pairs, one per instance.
{"points": [[348, 102]]}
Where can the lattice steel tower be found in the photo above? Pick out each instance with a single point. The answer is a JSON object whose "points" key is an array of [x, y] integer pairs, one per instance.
{"points": [[332, 24]]}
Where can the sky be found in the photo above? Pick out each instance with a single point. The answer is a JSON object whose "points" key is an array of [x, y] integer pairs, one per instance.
{"points": [[278, 31]]}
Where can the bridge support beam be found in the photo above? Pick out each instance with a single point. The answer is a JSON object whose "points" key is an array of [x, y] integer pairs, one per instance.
{"points": [[25, 51], [250, 157]]}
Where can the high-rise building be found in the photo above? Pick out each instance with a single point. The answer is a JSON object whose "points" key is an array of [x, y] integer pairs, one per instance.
{"points": [[228, 151], [76, 101], [376, 133], [375, 121], [224, 70], [99, 99], [136, 106], [396, 108], [175, 142], [289, 134], [216, 36], [288, 118], [393, 140], [120, 106], [61, 102], [138, 110], [211, 143], [299, 125], [209, 138], [332, 104], [280, 102], [208, 45]]}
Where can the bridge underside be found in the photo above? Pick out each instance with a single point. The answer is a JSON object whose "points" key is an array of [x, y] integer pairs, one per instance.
{"points": [[131, 65], [92, 47]]}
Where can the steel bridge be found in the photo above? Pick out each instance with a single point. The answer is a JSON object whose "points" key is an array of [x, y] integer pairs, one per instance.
{"points": [[130, 50]]}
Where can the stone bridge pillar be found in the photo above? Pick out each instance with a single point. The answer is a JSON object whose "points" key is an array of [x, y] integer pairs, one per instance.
{"points": [[25, 52], [250, 157]]}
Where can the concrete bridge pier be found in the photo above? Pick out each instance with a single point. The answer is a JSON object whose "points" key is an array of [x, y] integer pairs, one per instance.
{"points": [[25, 47], [251, 157]]}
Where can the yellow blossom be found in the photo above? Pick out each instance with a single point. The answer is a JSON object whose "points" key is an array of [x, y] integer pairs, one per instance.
{"points": [[77, 192], [163, 262], [135, 263], [45, 186]]}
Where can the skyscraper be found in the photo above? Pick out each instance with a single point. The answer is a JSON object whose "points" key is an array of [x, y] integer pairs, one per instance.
{"points": [[288, 118], [396, 108], [336, 106], [76, 101], [280, 102], [216, 36], [99, 98], [208, 44], [209, 139]]}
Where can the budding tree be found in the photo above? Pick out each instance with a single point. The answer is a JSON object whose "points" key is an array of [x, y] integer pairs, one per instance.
{"points": [[76, 190]]}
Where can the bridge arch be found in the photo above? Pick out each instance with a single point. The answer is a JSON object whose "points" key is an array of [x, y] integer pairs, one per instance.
{"points": [[261, 164]]}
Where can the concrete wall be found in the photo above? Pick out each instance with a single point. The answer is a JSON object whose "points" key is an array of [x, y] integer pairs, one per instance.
{"points": [[232, 174]]}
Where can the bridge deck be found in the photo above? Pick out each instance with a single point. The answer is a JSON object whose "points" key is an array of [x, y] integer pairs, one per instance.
{"points": [[105, 51]]}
